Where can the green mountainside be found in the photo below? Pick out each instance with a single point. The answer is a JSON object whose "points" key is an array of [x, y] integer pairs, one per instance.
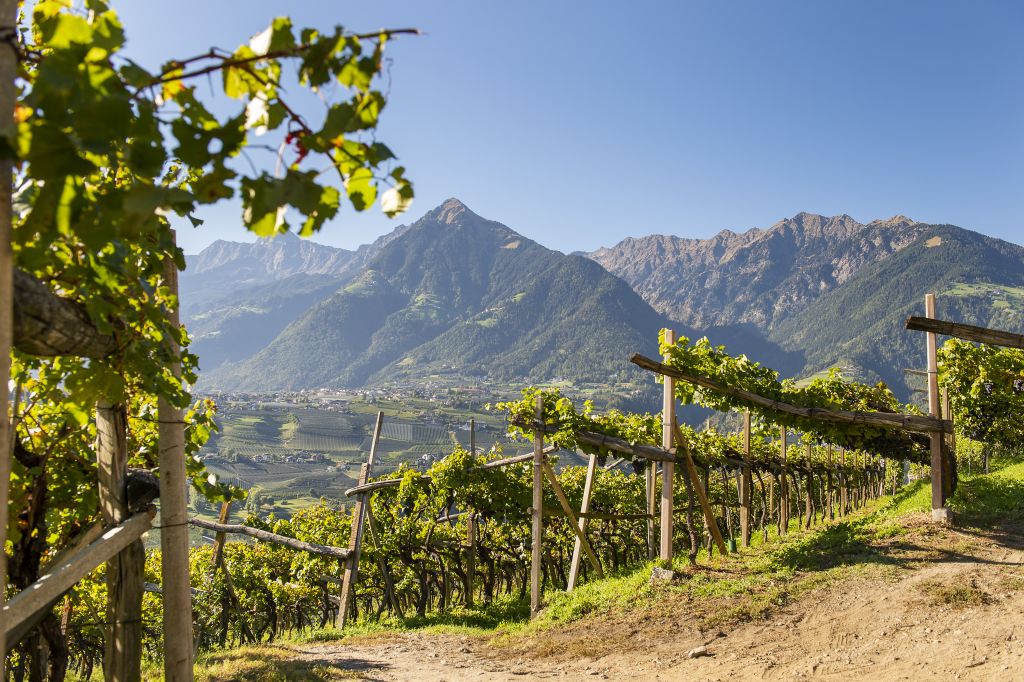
{"points": [[860, 324], [458, 295]]}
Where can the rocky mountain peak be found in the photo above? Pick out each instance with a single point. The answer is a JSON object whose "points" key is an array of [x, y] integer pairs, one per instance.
{"points": [[451, 211]]}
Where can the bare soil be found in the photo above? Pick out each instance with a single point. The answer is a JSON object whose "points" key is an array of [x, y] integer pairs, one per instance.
{"points": [[932, 603]]}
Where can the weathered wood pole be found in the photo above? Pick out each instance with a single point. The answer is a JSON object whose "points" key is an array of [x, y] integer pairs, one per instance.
{"points": [[939, 511], [177, 592], [538, 508], [809, 492], [574, 521], [783, 484], [8, 72], [470, 557], [844, 490], [746, 484], [122, 646], [650, 480], [577, 550], [385, 571], [700, 490], [668, 469], [950, 448], [351, 576]]}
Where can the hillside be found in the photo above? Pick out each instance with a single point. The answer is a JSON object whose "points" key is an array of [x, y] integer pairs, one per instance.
{"points": [[457, 294], [759, 276], [976, 279]]}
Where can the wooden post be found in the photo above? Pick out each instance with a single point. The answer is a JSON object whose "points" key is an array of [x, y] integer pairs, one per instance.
{"points": [[939, 511], [221, 537], [348, 582], [537, 510], [389, 583], [8, 94], [809, 493], [831, 487], [668, 469], [950, 452], [746, 484], [783, 485], [650, 480], [574, 522], [844, 490], [122, 646], [177, 614], [470, 556], [577, 550], [698, 487]]}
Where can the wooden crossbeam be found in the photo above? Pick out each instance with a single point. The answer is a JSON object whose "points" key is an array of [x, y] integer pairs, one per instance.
{"points": [[885, 420], [967, 332], [274, 538], [63, 574]]}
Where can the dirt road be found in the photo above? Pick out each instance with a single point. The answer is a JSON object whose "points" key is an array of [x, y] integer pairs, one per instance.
{"points": [[935, 604]]}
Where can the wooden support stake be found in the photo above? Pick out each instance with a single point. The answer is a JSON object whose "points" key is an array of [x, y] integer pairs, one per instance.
{"points": [[385, 571], [809, 492], [698, 488], [939, 511], [668, 469], [470, 557], [177, 613], [8, 95], [784, 484], [537, 510], [348, 583], [221, 537], [650, 481], [574, 522], [950, 452], [577, 550], [122, 646], [746, 484]]}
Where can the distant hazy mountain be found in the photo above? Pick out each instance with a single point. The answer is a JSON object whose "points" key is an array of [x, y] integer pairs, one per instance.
{"points": [[759, 276]]}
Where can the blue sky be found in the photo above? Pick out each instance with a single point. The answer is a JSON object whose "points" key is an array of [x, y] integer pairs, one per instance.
{"points": [[580, 123]]}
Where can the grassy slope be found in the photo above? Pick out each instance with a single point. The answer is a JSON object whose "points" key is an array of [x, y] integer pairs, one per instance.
{"points": [[748, 586]]}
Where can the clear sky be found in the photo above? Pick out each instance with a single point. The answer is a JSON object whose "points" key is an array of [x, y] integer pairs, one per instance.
{"points": [[580, 123]]}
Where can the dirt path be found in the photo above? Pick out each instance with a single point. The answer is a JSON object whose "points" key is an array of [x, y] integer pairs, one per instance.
{"points": [[936, 604]]}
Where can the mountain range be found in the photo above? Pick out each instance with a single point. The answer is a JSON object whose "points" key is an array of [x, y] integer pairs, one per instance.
{"points": [[459, 295]]}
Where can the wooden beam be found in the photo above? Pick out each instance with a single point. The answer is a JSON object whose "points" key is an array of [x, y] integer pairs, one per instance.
{"points": [[46, 325], [267, 536], [885, 420], [577, 550], [574, 522], [63, 575], [935, 439], [348, 584], [967, 332], [537, 530], [668, 469], [177, 614], [746, 484], [122, 643], [698, 487]]}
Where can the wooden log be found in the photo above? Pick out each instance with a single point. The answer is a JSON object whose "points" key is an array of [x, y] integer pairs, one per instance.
{"points": [[698, 487], [574, 522], [46, 325], [668, 469], [470, 558], [177, 613], [809, 492], [8, 96], [746, 484], [274, 538], [935, 439], [122, 644], [385, 570], [358, 522], [784, 483], [886, 420], [219, 539], [538, 511], [577, 550], [63, 575], [967, 332]]}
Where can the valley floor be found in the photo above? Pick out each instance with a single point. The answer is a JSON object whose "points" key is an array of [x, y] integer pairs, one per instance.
{"points": [[873, 596]]}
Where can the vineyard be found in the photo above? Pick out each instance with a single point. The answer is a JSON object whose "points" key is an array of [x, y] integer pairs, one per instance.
{"points": [[99, 431]]}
